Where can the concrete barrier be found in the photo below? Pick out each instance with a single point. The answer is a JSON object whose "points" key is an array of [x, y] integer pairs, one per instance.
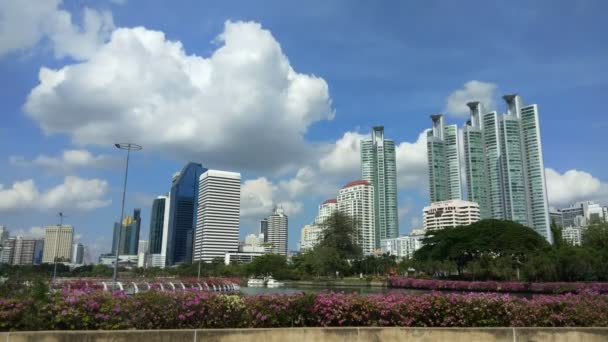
{"points": [[318, 334]]}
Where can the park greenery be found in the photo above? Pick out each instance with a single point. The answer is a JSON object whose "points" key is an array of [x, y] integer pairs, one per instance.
{"points": [[486, 250]]}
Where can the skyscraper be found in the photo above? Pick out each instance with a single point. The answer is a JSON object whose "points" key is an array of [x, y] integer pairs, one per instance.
{"points": [[157, 220], [129, 237], [356, 199], [77, 254], [218, 215], [277, 231], [264, 228], [378, 166], [58, 242], [182, 214], [444, 161], [504, 165]]}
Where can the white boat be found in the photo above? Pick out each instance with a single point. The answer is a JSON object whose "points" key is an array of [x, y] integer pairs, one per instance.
{"points": [[256, 282], [271, 282]]}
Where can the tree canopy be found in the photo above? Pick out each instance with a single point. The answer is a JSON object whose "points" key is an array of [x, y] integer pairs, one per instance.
{"points": [[486, 238]]}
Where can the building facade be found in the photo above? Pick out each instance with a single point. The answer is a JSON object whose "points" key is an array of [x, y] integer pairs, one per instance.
{"points": [[447, 214], [278, 224], [504, 165], [127, 234], [58, 241], [182, 214], [356, 199], [378, 166], [443, 156], [7, 251], [78, 254], [157, 224], [403, 246], [218, 215], [573, 235], [581, 214]]}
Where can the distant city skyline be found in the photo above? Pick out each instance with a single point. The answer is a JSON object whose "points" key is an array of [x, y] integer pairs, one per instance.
{"points": [[282, 97]]}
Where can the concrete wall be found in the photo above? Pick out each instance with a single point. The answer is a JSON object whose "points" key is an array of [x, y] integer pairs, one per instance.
{"points": [[318, 334]]}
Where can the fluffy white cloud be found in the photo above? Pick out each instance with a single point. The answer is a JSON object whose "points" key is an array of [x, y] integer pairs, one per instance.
{"points": [[344, 157], [412, 166], [74, 192], [259, 196], [24, 23], [67, 161], [572, 186], [484, 92], [243, 107], [32, 233]]}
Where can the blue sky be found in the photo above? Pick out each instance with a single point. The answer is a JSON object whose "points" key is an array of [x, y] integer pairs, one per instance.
{"points": [[280, 91]]}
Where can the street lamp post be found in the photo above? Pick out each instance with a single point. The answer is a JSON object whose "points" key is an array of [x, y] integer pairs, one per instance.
{"points": [[129, 147]]}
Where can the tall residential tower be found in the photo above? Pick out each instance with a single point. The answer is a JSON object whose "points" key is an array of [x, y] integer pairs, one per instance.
{"points": [[277, 231], [378, 166], [504, 165]]}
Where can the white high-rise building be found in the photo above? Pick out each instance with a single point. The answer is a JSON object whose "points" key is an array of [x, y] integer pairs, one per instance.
{"points": [[356, 199], [312, 233], [326, 209], [445, 214], [278, 224], [77, 254], [573, 235], [218, 215], [58, 241]]}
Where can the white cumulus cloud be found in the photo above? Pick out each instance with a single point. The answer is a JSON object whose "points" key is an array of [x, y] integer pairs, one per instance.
{"points": [[484, 92], [24, 23], [412, 166], [243, 107], [67, 161], [259, 196], [74, 193], [32, 233], [573, 185]]}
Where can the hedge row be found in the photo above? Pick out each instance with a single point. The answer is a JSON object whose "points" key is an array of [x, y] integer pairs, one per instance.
{"points": [[80, 310], [497, 286]]}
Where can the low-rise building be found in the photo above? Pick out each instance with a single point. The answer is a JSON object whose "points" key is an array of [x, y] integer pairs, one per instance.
{"points": [[403, 246], [447, 214], [573, 235]]}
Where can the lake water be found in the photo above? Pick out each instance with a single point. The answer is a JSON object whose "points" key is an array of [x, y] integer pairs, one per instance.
{"points": [[290, 289]]}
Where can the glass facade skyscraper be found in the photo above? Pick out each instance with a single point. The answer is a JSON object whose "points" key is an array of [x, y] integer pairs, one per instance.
{"points": [[130, 234], [378, 166], [157, 219], [444, 161], [182, 214], [503, 165]]}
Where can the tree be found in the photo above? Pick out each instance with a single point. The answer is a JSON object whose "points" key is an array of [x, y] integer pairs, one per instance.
{"points": [[596, 237], [486, 238], [268, 264], [340, 233]]}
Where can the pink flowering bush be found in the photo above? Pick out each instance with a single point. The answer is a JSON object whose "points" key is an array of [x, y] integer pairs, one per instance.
{"points": [[91, 310], [496, 286]]}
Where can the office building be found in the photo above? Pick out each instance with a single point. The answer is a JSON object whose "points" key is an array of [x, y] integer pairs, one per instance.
{"points": [[378, 166], [78, 254], [556, 217], [573, 235], [403, 246], [7, 251], [182, 214], [58, 241], [443, 160], [503, 162], [23, 252], [264, 228], [278, 224], [581, 214], [3, 233], [447, 214], [159, 228], [356, 200], [310, 236], [38, 251], [218, 215], [129, 236]]}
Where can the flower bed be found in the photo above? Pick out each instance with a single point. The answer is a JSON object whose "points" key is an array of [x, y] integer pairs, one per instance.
{"points": [[495, 286], [82, 310]]}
